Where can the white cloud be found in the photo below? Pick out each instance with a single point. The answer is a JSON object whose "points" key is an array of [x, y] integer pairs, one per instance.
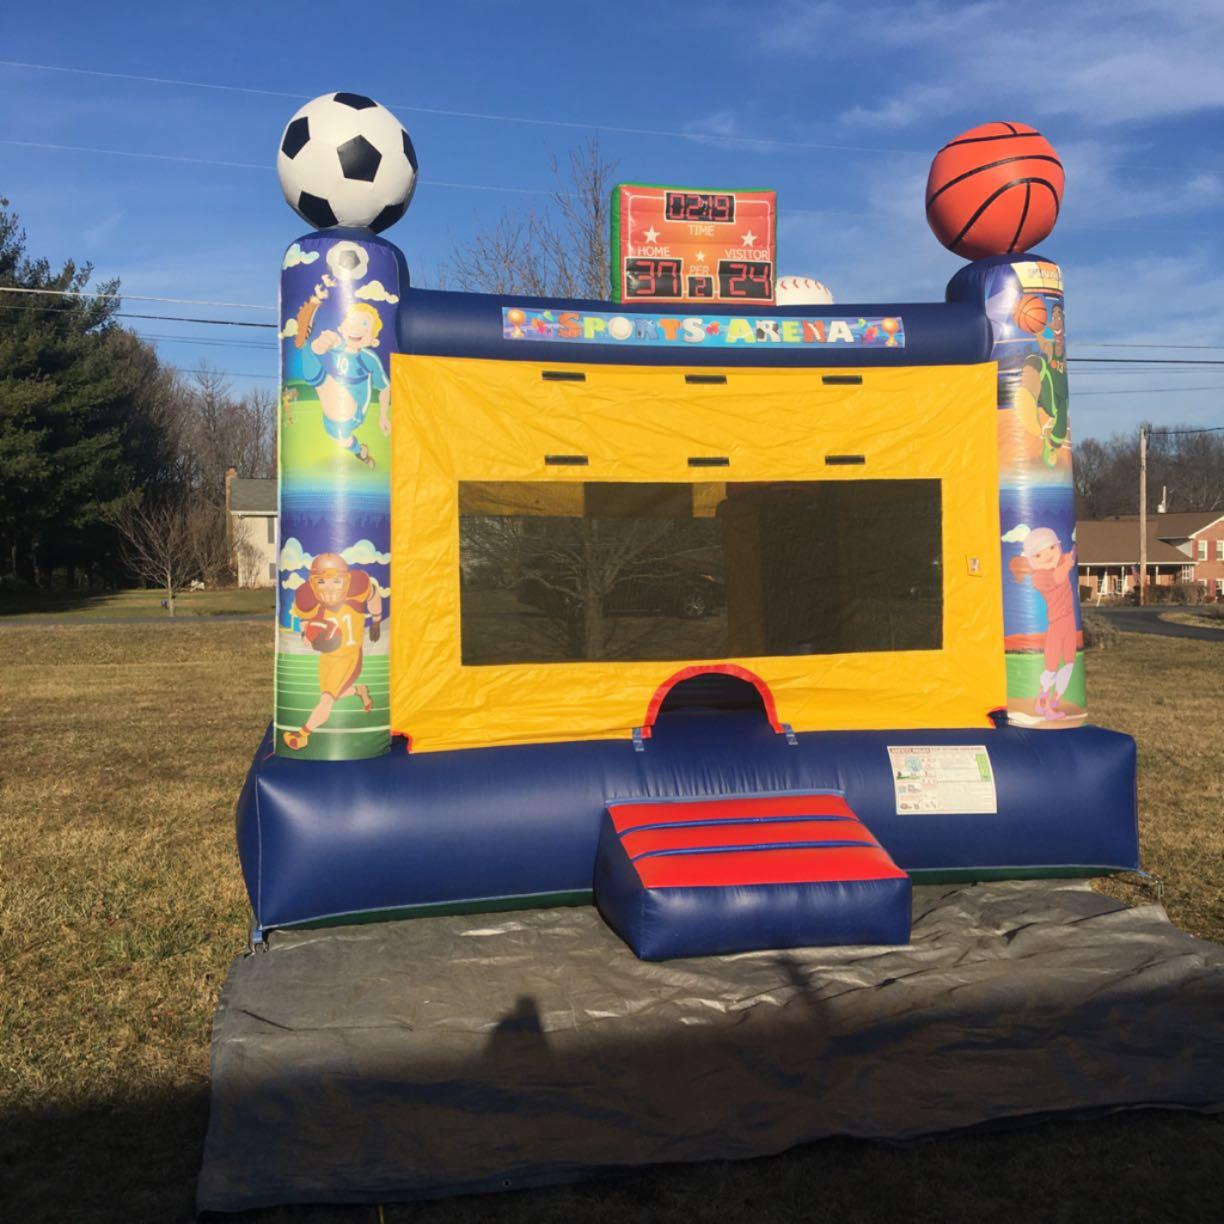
{"points": [[364, 553], [1017, 535], [724, 129], [1101, 61], [293, 556], [375, 292], [293, 582], [104, 228], [290, 329], [295, 255]]}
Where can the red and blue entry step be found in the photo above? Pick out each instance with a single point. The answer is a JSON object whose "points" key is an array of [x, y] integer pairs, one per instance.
{"points": [[703, 877]]}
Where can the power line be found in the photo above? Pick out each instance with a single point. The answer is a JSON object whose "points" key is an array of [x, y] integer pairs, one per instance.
{"points": [[1147, 391], [504, 188], [126, 314], [131, 297], [1093, 227], [225, 373], [763, 142], [265, 167], [1187, 361], [120, 295], [180, 319], [1213, 348], [1161, 429], [170, 157], [490, 116], [212, 341]]}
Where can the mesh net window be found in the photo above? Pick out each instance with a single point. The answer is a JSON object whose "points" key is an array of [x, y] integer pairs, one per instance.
{"points": [[619, 572]]}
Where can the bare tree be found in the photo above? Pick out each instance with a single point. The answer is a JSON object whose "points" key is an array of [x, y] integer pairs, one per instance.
{"points": [[561, 251], [247, 554], [1186, 462], [574, 571], [170, 544]]}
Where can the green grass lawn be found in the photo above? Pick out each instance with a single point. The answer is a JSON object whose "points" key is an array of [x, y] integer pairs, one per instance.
{"points": [[39, 606], [121, 906]]}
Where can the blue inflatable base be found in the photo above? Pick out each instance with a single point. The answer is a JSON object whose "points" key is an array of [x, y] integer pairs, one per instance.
{"points": [[498, 828]]}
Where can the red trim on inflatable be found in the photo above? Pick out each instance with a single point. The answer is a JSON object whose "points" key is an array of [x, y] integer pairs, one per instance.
{"points": [[717, 669], [746, 833], [766, 866], [690, 811]]}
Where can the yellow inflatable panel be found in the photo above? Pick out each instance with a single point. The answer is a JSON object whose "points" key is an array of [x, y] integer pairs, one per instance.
{"points": [[491, 456]]}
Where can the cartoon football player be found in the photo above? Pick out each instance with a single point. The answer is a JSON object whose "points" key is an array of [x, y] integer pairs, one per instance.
{"points": [[1051, 570], [1042, 394], [346, 373], [332, 606]]}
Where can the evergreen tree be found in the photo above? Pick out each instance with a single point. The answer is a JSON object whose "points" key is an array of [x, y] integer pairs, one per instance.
{"points": [[80, 421]]}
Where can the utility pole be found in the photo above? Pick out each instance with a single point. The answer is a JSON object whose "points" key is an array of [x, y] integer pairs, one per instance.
{"points": [[1142, 515]]}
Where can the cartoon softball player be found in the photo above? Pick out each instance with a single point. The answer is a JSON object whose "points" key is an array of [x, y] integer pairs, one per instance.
{"points": [[332, 606], [346, 373], [1043, 560]]}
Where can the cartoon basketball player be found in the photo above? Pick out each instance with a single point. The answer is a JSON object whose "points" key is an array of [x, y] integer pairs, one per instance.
{"points": [[341, 365], [1042, 394], [332, 606], [1043, 560]]}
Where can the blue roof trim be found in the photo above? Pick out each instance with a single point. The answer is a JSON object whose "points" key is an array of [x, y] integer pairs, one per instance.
{"points": [[440, 323]]}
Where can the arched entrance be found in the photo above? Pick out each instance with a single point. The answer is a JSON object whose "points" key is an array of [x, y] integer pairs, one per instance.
{"points": [[681, 680]]}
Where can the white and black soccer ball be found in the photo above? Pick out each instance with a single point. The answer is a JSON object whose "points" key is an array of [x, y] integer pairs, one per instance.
{"points": [[346, 160]]}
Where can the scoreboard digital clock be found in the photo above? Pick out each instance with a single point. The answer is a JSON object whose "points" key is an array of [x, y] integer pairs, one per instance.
{"points": [[676, 244], [717, 206]]}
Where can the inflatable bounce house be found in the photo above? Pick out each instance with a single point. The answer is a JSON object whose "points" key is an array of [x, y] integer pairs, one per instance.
{"points": [[719, 604], [714, 620]]}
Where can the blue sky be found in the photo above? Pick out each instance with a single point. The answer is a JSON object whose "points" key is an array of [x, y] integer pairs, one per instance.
{"points": [[839, 107]]}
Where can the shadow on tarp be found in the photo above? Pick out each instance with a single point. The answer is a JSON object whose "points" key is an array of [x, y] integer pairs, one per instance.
{"points": [[471, 1054]]}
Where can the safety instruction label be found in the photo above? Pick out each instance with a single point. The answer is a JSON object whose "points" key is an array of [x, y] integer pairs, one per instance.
{"points": [[943, 779]]}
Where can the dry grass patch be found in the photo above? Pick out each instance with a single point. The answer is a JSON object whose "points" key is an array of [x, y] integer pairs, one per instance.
{"points": [[121, 906], [1208, 616], [36, 607], [1169, 694]]}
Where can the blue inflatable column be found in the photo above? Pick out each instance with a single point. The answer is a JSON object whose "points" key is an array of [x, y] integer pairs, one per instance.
{"points": [[1023, 298], [338, 295]]}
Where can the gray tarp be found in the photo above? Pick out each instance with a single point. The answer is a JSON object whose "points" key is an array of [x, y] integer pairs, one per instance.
{"points": [[442, 1055]]}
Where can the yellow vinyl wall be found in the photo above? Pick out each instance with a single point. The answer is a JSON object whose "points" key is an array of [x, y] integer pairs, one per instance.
{"points": [[463, 419]]}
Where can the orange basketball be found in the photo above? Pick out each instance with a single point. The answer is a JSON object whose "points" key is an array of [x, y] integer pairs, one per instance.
{"points": [[994, 190], [1030, 313]]}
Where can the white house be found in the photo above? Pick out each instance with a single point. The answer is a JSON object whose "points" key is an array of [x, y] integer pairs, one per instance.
{"points": [[251, 505]]}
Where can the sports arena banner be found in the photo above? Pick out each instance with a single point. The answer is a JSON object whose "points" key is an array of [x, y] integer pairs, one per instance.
{"points": [[709, 331]]}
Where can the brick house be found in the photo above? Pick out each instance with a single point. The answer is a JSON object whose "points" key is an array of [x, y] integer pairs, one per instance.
{"points": [[252, 512], [1186, 548]]}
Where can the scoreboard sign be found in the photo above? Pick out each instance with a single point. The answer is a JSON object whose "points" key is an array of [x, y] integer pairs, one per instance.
{"points": [[676, 244]]}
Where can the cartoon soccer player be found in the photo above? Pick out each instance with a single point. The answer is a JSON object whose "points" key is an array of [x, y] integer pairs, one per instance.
{"points": [[346, 373], [332, 606], [1043, 560], [1042, 394]]}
